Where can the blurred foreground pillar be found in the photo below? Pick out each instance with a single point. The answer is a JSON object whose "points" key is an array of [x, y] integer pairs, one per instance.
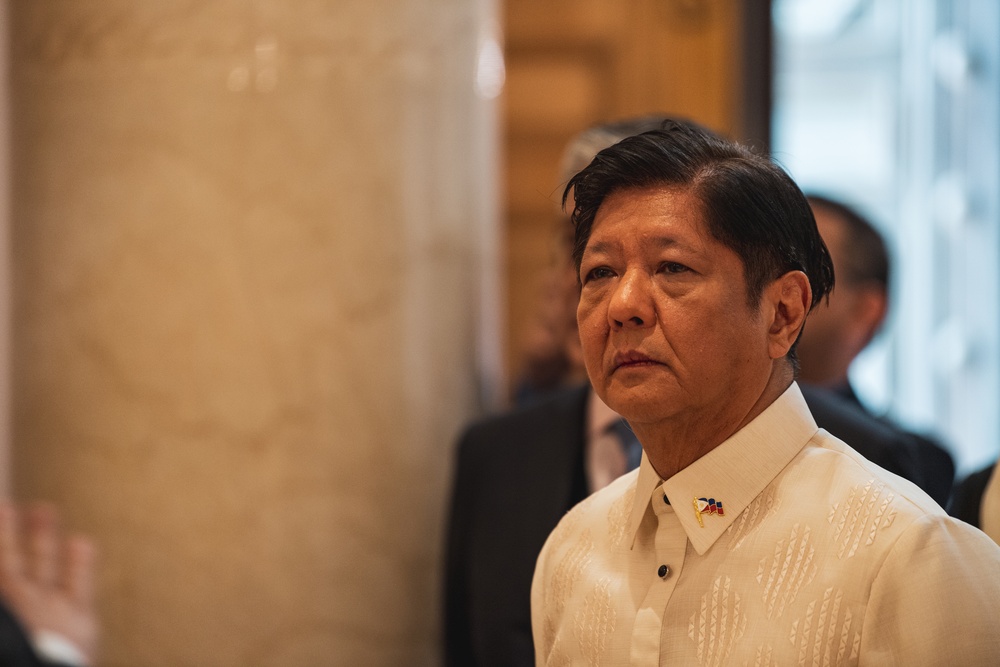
{"points": [[249, 244]]}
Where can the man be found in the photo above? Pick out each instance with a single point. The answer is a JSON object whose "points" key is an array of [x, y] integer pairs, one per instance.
{"points": [[747, 535], [839, 330], [47, 618], [518, 473]]}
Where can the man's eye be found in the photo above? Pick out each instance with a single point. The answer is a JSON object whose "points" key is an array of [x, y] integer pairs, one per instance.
{"points": [[598, 273], [673, 267]]}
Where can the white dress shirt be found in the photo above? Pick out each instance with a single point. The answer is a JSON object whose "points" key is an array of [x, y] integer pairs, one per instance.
{"points": [[782, 546]]}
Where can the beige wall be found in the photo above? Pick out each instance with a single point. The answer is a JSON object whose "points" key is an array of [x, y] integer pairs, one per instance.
{"points": [[248, 245]]}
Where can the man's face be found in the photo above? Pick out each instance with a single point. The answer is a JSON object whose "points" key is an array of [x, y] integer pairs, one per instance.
{"points": [[664, 321]]}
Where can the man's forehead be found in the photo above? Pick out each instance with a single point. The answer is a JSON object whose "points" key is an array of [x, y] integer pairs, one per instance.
{"points": [[675, 213], [667, 192]]}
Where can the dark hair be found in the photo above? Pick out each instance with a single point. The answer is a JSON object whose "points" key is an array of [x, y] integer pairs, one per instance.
{"points": [[750, 204], [584, 146], [865, 257]]}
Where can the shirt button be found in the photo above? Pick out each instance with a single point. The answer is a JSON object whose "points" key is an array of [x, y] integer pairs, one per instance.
{"points": [[664, 571]]}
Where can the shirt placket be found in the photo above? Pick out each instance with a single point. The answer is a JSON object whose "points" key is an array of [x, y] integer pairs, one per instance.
{"points": [[669, 547]]}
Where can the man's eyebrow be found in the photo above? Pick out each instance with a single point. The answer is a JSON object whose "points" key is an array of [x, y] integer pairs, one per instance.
{"points": [[669, 242], [598, 247]]}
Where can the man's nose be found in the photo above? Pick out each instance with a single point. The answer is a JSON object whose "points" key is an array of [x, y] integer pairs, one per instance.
{"points": [[631, 302]]}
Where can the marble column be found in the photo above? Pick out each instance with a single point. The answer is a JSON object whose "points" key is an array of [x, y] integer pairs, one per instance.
{"points": [[249, 241]]}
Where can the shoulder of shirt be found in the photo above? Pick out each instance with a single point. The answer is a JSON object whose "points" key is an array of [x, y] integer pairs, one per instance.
{"points": [[854, 468], [599, 502], [594, 506]]}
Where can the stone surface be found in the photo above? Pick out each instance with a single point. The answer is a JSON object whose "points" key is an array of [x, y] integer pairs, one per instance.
{"points": [[247, 246]]}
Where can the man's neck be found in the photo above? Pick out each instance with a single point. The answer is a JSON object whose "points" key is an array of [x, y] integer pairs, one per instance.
{"points": [[675, 444]]}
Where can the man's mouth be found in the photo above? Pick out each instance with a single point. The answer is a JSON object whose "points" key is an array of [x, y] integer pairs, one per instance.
{"points": [[632, 359]]}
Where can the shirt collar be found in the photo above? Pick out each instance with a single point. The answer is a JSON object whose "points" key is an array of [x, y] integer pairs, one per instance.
{"points": [[734, 473]]}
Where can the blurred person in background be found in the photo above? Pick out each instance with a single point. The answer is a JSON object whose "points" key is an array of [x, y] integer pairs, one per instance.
{"points": [[837, 332]]}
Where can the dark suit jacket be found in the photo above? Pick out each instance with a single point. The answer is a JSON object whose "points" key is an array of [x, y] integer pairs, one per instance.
{"points": [[517, 474], [933, 466], [967, 500], [874, 439]]}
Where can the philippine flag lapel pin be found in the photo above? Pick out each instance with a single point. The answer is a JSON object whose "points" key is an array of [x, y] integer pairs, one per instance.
{"points": [[706, 506]]}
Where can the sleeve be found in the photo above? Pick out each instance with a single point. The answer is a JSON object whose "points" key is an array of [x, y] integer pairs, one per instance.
{"points": [[56, 650], [17, 650], [458, 648], [935, 599], [538, 611]]}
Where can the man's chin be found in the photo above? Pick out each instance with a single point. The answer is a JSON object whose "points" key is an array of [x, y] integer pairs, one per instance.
{"points": [[638, 405]]}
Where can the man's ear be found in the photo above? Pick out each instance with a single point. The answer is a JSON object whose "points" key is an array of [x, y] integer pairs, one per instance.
{"points": [[787, 302]]}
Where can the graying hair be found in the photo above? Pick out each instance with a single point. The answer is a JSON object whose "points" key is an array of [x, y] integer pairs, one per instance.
{"points": [[585, 145]]}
